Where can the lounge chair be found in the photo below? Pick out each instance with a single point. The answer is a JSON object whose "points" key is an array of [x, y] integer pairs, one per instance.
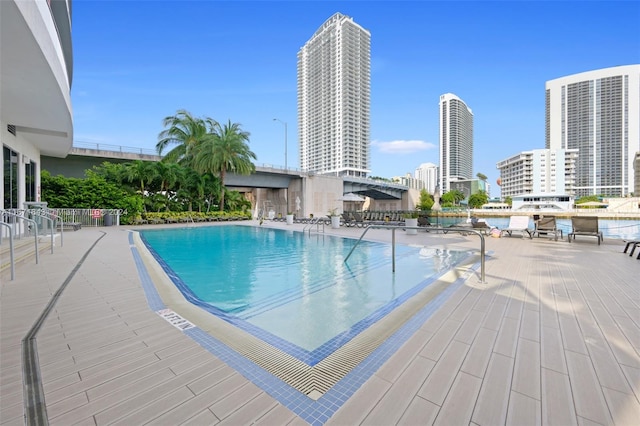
{"points": [[347, 219], [587, 226], [481, 226], [547, 225], [358, 220], [633, 244], [424, 221], [517, 224]]}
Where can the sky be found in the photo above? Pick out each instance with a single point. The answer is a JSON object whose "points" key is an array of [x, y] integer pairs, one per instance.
{"points": [[137, 62]]}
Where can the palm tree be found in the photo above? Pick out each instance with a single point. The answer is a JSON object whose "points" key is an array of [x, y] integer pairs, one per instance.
{"points": [[235, 200], [200, 188], [141, 172], [186, 132], [225, 150], [169, 174]]}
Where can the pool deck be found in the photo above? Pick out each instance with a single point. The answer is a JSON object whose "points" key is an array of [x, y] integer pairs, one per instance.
{"points": [[551, 337]]}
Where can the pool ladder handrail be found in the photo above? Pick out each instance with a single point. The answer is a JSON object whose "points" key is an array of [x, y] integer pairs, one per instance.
{"points": [[314, 221], [393, 242]]}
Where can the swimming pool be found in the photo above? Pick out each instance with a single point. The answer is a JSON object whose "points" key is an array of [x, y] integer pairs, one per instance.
{"points": [[291, 289]]}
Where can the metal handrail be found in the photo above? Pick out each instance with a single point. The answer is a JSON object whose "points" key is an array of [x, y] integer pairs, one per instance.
{"points": [[54, 216], [35, 228], [11, 252], [35, 212], [315, 221], [393, 242]]}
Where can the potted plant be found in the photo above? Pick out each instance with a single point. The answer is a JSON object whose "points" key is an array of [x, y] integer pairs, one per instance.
{"points": [[335, 218], [411, 219], [289, 218]]}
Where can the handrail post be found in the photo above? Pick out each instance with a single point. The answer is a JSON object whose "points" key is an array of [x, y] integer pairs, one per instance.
{"points": [[11, 252], [393, 250], [35, 228], [43, 216]]}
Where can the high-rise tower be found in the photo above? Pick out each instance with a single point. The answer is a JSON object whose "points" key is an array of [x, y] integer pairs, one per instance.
{"points": [[456, 141], [334, 87], [597, 113]]}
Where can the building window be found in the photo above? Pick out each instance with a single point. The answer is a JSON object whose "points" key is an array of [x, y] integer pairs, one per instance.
{"points": [[10, 174], [30, 181]]}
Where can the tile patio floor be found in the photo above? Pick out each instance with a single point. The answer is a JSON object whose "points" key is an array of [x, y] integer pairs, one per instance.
{"points": [[552, 337]]}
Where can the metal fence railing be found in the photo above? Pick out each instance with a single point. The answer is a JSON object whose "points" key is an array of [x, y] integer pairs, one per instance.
{"points": [[113, 148], [89, 217]]}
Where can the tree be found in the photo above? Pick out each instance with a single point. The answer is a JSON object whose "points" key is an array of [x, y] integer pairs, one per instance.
{"points": [[112, 172], [426, 200], [508, 200], [236, 201], [186, 132], [169, 174], [588, 198], [92, 192], [225, 150], [141, 172], [478, 199]]}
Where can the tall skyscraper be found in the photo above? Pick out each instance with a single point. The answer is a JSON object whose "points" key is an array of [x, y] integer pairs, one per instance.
{"points": [[456, 141], [597, 113], [334, 91]]}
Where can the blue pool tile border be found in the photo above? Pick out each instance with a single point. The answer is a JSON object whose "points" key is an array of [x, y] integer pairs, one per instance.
{"points": [[316, 412], [153, 298]]}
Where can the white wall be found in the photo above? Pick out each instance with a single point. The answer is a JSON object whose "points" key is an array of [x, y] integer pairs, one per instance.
{"points": [[24, 149]]}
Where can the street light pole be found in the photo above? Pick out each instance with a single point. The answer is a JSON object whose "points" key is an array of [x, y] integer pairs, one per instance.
{"points": [[286, 191], [285, 141]]}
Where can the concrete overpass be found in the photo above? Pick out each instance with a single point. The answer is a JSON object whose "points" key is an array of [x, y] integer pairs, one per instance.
{"points": [[377, 190], [269, 186]]}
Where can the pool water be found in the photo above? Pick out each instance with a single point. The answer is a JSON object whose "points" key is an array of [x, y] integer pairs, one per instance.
{"points": [[291, 288]]}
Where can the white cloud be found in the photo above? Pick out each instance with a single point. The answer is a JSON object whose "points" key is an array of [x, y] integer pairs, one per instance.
{"points": [[403, 147]]}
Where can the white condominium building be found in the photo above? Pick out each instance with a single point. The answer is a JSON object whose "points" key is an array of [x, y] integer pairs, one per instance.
{"points": [[428, 173], [456, 141], [597, 113], [409, 181], [334, 91], [36, 70], [541, 171]]}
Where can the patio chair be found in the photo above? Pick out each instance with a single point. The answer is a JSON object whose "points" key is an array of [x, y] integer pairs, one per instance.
{"points": [[633, 244], [424, 221], [481, 226], [358, 220], [547, 225], [587, 226], [517, 224], [348, 219]]}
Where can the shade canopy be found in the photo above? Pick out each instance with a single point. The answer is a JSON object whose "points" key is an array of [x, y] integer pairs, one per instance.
{"points": [[351, 197]]}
